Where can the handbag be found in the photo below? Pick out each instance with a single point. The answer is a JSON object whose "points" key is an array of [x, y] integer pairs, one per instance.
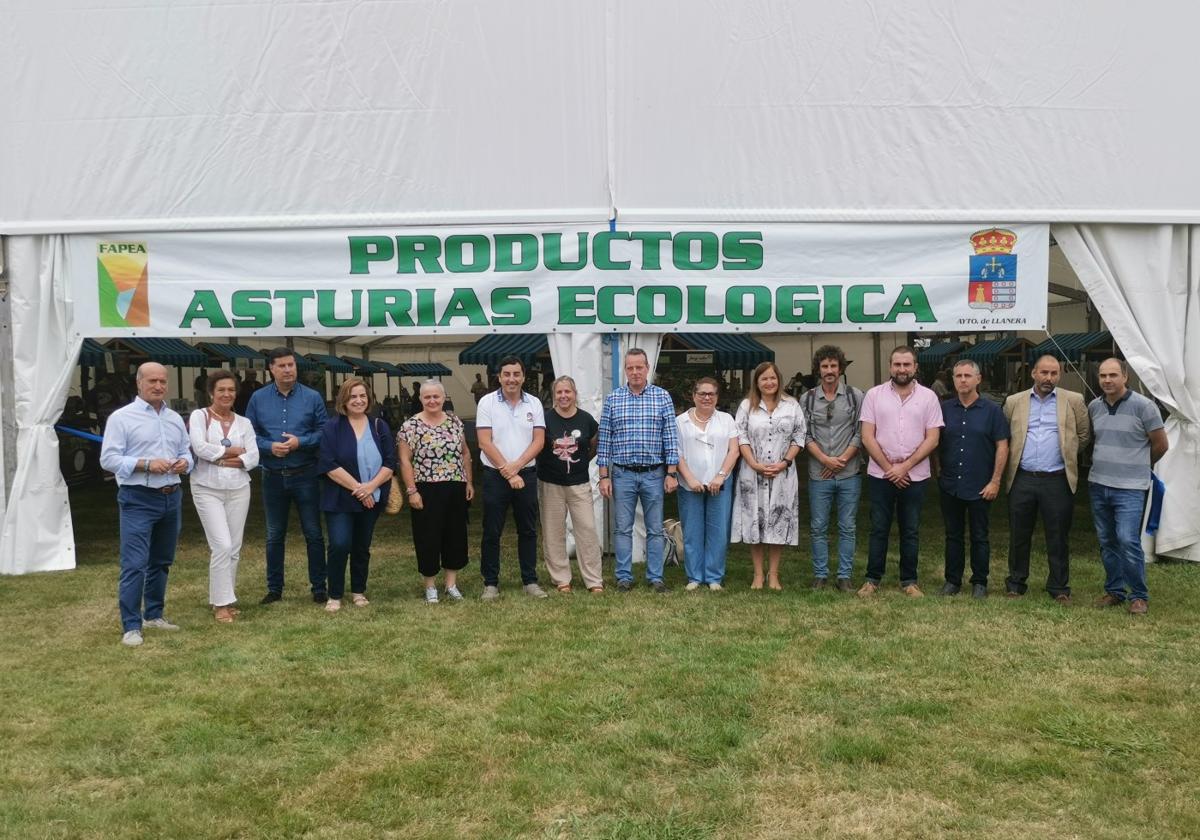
{"points": [[395, 498]]}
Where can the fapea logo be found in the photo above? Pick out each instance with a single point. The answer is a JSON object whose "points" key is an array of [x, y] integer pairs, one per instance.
{"points": [[123, 282], [993, 280]]}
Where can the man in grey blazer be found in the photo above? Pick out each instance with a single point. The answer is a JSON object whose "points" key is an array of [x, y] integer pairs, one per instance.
{"points": [[1050, 427]]}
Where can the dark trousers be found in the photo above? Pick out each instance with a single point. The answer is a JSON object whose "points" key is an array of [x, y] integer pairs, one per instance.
{"points": [[149, 531], [439, 529], [498, 496], [1052, 497], [975, 511], [350, 537], [279, 491], [903, 503]]}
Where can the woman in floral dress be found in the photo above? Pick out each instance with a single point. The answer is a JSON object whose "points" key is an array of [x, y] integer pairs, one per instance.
{"points": [[435, 467], [766, 509]]}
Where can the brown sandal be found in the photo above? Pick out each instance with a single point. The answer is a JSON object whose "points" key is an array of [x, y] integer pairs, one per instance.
{"points": [[564, 588], [223, 615], [596, 590]]}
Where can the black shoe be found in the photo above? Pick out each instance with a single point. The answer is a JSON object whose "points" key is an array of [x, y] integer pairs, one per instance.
{"points": [[624, 585], [950, 588], [320, 597], [271, 598], [818, 583], [660, 587], [979, 590], [844, 585]]}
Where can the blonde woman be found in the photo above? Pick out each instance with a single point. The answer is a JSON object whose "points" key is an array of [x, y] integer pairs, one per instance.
{"points": [[766, 512]]}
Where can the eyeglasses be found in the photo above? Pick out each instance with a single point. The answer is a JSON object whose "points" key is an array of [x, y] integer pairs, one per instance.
{"points": [[708, 395]]}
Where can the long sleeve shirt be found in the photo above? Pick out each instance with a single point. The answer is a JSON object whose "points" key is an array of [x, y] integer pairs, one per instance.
{"points": [[137, 432], [206, 434], [301, 413], [638, 430]]}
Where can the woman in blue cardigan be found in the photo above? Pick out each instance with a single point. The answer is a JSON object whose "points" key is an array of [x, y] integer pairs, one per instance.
{"points": [[357, 458]]}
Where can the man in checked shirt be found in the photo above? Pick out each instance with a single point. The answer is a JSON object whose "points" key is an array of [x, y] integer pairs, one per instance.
{"points": [[637, 456]]}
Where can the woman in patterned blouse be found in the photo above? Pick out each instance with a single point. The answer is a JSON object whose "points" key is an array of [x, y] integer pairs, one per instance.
{"points": [[435, 466]]}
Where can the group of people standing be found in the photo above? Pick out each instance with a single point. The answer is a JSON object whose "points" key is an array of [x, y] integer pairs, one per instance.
{"points": [[736, 478]]}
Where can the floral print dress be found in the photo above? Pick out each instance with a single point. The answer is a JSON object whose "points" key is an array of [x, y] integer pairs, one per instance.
{"points": [[768, 510]]}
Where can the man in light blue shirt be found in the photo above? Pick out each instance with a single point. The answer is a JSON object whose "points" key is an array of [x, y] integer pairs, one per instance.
{"points": [[146, 448]]}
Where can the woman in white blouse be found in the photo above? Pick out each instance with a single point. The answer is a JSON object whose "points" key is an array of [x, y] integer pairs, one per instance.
{"points": [[708, 449], [225, 449], [767, 508]]}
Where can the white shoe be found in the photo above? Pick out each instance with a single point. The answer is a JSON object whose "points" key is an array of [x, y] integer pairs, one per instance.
{"points": [[692, 585], [132, 638], [453, 594], [431, 595], [159, 624], [534, 591], [715, 587], [490, 593]]}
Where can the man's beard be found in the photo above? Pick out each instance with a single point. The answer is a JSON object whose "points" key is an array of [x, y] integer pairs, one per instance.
{"points": [[901, 379]]}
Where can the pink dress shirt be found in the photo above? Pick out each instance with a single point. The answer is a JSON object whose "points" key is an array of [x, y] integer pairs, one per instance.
{"points": [[900, 426]]}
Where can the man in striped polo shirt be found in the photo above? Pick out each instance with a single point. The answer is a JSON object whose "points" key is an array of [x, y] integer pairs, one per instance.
{"points": [[1129, 436]]}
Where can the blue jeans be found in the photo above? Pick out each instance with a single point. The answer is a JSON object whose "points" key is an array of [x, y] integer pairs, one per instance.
{"points": [[279, 491], [705, 522], [628, 488], [905, 503], [1118, 517], [350, 537], [150, 525], [821, 495]]}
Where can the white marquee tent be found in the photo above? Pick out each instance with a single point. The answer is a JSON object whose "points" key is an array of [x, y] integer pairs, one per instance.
{"points": [[125, 121]]}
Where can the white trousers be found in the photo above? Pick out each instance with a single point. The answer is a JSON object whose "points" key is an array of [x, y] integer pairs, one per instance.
{"points": [[223, 515]]}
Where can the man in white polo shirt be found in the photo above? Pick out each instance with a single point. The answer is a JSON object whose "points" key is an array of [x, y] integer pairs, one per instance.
{"points": [[512, 429]]}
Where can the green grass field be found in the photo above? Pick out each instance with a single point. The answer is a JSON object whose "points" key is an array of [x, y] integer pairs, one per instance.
{"points": [[693, 715]]}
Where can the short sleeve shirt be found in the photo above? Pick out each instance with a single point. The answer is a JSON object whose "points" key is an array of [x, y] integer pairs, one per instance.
{"points": [[1121, 457], [564, 459], [512, 427], [900, 425], [967, 449], [436, 450]]}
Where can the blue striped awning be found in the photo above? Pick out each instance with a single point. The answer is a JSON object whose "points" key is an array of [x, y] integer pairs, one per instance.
{"points": [[987, 351], [388, 368], [332, 363], [230, 352], [490, 349], [165, 351], [731, 351], [424, 369], [362, 365], [93, 352], [1070, 346], [936, 354]]}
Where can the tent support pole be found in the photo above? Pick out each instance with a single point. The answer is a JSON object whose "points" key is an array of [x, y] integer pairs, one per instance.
{"points": [[8, 413]]}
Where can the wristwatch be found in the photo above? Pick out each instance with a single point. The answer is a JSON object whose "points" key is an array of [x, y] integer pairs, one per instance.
{"points": [[722, 473]]}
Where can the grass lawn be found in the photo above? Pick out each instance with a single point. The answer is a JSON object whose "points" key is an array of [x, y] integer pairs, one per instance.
{"points": [[691, 715]]}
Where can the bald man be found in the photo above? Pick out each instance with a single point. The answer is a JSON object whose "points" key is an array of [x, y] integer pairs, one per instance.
{"points": [[146, 448]]}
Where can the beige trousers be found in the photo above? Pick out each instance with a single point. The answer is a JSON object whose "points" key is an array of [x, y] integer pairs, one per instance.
{"points": [[555, 501]]}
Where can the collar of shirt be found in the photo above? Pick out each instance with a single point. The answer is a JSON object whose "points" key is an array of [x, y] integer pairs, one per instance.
{"points": [[1033, 394], [1112, 407], [145, 406], [501, 398]]}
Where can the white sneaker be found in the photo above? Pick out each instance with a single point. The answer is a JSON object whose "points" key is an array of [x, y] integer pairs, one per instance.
{"points": [[715, 587], [692, 585], [534, 591], [490, 593], [453, 594], [159, 624], [132, 638], [431, 595]]}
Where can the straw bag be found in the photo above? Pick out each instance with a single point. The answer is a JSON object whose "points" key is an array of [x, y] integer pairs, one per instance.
{"points": [[395, 498]]}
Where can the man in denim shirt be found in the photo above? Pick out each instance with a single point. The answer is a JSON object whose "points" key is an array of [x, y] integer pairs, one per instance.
{"points": [[287, 418]]}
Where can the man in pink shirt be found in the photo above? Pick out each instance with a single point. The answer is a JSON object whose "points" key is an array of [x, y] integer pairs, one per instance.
{"points": [[901, 422]]}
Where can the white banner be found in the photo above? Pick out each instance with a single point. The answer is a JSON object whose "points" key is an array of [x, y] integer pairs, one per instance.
{"points": [[543, 279]]}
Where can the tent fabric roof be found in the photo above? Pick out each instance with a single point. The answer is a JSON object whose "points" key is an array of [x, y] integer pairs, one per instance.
{"points": [[93, 352], [1069, 346], [229, 352], [490, 349], [424, 369], [165, 351], [937, 353], [388, 368], [733, 351], [988, 351], [362, 365], [332, 363]]}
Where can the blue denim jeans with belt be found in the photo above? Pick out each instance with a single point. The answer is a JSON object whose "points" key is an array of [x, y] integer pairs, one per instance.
{"points": [[1118, 516], [629, 487], [280, 489], [150, 524]]}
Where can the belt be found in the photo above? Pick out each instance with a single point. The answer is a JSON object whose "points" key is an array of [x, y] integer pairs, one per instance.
{"points": [[1037, 474], [522, 470], [166, 491], [638, 467], [290, 471]]}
